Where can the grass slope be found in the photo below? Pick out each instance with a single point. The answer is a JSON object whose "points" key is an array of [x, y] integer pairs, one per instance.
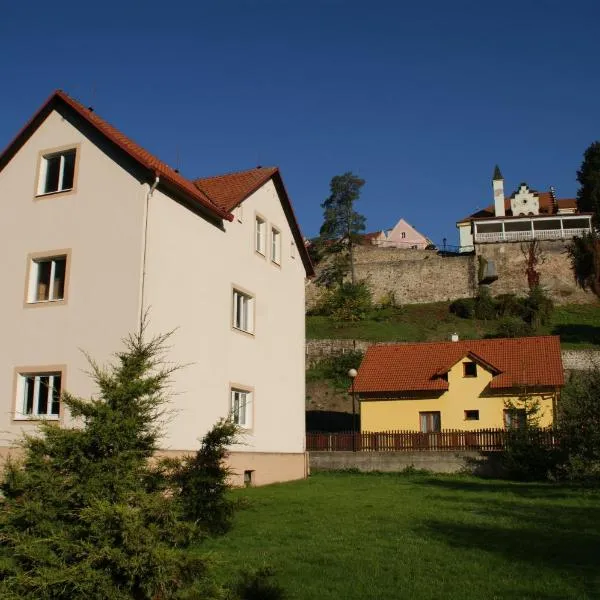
{"points": [[371, 536], [577, 324]]}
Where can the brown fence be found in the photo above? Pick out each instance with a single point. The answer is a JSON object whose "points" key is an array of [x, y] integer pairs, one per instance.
{"points": [[399, 441]]}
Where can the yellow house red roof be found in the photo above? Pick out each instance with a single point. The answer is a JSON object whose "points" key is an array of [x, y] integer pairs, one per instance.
{"points": [[515, 362]]}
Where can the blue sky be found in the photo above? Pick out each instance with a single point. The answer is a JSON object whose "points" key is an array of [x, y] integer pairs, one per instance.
{"points": [[421, 99]]}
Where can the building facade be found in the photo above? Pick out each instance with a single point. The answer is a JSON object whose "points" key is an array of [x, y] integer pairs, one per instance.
{"points": [[96, 232], [524, 216], [461, 385]]}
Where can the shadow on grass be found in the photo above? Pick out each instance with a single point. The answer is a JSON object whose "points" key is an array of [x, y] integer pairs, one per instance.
{"points": [[534, 526], [578, 334]]}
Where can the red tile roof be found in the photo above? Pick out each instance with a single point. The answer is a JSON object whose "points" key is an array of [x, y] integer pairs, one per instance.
{"points": [[230, 189], [546, 207], [531, 361], [219, 195], [60, 99]]}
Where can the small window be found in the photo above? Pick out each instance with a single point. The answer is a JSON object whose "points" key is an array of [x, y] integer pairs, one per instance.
{"points": [[275, 246], [515, 418], [57, 172], [471, 415], [241, 407], [260, 242], [38, 395], [47, 279], [403, 234], [293, 249], [243, 311], [469, 369]]}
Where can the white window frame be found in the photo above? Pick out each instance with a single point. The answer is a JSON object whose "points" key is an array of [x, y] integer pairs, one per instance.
{"points": [[34, 274], [275, 245], [243, 311], [241, 406], [26, 378], [43, 170], [260, 235]]}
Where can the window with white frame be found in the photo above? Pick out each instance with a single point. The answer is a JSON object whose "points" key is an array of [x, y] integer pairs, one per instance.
{"points": [[57, 172], [47, 279], [241, 407], [243, 311], [275, 245], [38, 395], [260, 244]]}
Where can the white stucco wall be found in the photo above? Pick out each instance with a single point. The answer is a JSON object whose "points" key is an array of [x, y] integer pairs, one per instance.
{"points": [[101, 224], [465, 236], [192, 267]]}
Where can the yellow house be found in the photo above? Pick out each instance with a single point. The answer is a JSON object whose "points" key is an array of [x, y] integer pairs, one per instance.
{"points": [[465, 385]]}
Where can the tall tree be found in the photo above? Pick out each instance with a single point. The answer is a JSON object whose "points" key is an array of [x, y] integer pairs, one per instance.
{"points": [[588, 195], [341, 223]]}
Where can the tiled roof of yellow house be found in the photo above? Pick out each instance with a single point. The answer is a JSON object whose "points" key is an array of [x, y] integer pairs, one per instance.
{"points": [[515, 362]]}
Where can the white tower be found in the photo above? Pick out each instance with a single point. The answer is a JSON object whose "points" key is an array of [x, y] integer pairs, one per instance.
{"points": [[498, 184]]}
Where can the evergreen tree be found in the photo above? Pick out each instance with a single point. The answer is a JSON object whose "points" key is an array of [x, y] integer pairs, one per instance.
{"points": [[579, 423], [584, 253], [341, 223], [85, 515], [588, 176]]}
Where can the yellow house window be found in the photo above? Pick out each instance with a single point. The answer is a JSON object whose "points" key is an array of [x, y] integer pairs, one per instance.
{"points": [[469, 369], [471, 415]]}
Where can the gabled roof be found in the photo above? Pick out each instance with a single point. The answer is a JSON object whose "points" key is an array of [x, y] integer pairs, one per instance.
{"points": [[546, 200], [514, 362], [217, 195], [61, 101], [231, 189]]}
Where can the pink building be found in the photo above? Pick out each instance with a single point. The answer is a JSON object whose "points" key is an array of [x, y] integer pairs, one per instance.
{"points": [[402, 235]]}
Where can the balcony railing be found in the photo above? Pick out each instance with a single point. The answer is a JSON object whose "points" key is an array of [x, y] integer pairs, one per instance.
{"points": [[523, 236]]}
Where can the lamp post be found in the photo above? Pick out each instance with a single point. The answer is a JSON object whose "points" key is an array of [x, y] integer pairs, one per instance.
{"points": [[352, 373]]}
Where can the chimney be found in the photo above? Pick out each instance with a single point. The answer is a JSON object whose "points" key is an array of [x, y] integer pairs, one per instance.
{"points": [[498, 184], [454, 337], [554, 200]]}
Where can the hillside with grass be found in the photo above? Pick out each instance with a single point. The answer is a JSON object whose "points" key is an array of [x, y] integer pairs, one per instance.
{"points": [[578, 325]]}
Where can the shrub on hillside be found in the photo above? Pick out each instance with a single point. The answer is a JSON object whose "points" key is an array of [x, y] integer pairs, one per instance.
{"points": [[335, 369], [485, 307], [512, 327], [463, 308], [538, 307], [509, 305]]}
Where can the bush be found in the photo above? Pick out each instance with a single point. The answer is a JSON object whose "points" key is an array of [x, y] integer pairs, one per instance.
{"points": [[512, 327], [335, 369], [538, 307], [526, 459], [510, 305], [463, 308], [86, 515], [348, 302], [578, 419], [485, 307], [388, 300]]}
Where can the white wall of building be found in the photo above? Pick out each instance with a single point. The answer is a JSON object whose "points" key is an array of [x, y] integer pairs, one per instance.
{"points": [[192, 267], [100, 222]]}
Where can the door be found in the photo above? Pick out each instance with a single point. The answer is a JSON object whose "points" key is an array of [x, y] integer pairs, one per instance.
{"points": [[431, 425]]}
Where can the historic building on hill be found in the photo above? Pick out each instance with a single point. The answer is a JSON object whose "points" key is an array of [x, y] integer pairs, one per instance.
{"points": [[523, 216]]}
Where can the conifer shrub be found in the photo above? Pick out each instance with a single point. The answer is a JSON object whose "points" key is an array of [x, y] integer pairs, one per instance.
{"points": [[86, 515]]}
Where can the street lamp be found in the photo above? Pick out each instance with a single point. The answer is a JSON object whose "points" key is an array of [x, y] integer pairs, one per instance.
{"points": [[352, 373]]}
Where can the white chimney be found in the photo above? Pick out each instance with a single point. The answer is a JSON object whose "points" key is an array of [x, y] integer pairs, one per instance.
{"points": [[454, 337], [498, 184]]}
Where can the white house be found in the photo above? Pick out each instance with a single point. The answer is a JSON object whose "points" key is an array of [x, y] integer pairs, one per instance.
{"points": [[95, 231], [525, 215]]}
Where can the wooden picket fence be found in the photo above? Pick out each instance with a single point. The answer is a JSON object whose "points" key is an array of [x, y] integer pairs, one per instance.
{"points": [[486, 440]]}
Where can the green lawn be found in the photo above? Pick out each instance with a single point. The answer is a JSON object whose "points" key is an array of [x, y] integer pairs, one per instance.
{"points": [[578, 325], [365, 536]]}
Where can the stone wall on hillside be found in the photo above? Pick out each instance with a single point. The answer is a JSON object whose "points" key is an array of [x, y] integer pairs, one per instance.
{"points": [[555, 271], [413, 276], [421, 276]]}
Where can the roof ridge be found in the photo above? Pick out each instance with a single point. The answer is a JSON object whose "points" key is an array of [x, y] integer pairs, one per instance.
{"points": [[230, 173]]}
